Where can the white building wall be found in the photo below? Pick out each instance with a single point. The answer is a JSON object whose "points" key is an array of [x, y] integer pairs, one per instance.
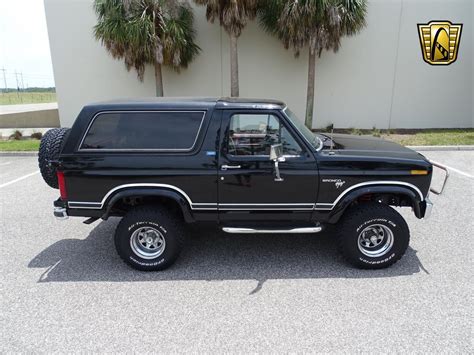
{"points": [[377, 78]]}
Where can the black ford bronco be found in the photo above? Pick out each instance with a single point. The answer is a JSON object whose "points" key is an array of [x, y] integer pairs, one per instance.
{"points": [[250, 166]]}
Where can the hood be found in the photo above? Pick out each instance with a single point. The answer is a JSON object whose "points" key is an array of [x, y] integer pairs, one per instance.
{"points": [[368, 146]]}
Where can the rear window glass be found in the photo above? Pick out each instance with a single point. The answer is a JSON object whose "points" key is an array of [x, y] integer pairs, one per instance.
{"points": [[171, 131]]}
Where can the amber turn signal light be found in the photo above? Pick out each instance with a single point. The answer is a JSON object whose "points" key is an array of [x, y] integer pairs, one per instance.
{"points": [[419, 172]]}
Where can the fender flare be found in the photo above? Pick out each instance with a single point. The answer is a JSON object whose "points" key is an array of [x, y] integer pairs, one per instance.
{"points": [[150, 191], [338, 210]]}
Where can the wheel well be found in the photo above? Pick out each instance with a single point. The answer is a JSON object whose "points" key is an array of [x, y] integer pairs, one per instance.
{"points": [[121, 206], [388, 198], [392, 196]]}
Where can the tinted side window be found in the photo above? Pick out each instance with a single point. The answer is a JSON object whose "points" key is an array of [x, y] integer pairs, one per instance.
{"points": [[144, 130], [253, 134]]}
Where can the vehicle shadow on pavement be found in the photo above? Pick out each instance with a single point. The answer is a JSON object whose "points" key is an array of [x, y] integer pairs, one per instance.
{"points": [[211, 255]]}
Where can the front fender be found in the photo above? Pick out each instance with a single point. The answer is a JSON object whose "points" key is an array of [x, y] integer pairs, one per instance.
{"points": [[416, 202]]}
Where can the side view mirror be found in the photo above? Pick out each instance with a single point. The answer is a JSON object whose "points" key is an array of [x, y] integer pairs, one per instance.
{"points": [[276, 155], [276, 152]]}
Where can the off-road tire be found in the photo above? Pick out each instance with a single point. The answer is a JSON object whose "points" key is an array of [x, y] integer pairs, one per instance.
{"points": [[350, 235], [49, 150], [168, 226]]}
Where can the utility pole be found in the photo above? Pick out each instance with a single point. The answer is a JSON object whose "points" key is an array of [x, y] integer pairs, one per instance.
{"points": [[22, 85], [4, 78], [16, 79], [17, 85]]}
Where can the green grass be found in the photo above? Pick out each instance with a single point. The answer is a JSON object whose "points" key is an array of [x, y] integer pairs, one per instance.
{"points": [[19, 146], [435, 137], [14, 98]]}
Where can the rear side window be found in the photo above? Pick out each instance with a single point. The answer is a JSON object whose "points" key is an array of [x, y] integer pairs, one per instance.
{"points": [[158, 130]]}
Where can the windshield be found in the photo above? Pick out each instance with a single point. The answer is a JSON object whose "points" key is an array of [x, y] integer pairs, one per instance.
{"points": [[311, 137]]}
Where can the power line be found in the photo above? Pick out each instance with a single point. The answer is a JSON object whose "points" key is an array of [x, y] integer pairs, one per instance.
{"points": [[26, 75], [23, 80]]}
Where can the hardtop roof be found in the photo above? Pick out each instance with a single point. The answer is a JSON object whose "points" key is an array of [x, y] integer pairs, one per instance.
{"points": [[186, 103]]}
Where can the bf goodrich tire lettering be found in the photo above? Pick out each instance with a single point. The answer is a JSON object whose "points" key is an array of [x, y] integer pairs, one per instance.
{"points": [[373, 236], [140, 230]]}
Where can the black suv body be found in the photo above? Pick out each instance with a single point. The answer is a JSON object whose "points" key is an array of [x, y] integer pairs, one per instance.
{"points": [[248, 165]]}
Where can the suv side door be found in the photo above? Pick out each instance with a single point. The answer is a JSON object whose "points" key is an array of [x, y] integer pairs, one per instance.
{"points": [[247, 186]]}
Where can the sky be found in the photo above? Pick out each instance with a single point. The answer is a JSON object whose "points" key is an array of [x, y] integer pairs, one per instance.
{"points": [[24, 44]]}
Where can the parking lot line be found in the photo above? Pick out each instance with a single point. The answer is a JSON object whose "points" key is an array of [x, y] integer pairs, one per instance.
{"points": [[458, 171], [19, 179], [6, 163]]}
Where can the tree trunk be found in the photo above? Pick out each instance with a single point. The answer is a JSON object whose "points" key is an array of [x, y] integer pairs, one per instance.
{"points": [[234, 67], [310, 92], [158, 80]]}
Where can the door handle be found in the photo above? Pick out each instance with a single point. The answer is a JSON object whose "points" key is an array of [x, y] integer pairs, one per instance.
{"points": [[225, 167]]}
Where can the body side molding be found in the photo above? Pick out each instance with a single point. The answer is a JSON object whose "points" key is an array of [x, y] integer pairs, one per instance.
{"points": [[100, 205], [192, 205], [323, 206]]}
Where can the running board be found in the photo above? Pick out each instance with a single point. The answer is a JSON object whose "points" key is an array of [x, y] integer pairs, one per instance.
{"points": [[279, 231]]}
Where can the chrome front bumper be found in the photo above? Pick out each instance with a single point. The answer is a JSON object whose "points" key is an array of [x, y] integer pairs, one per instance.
{"points": [[60, 213], [428, 208]]}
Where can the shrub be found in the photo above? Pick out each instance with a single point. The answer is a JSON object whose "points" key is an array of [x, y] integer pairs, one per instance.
{"points": [[17, 135], [329, 127], [36, 135], [355, 131], [376, 132]]}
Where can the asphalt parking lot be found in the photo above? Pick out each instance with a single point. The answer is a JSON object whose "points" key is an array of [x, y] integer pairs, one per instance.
{"points": [[64, 289]]}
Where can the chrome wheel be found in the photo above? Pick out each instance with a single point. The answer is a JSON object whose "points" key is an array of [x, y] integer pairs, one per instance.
{"points": [[375, 240], [147, 243]]}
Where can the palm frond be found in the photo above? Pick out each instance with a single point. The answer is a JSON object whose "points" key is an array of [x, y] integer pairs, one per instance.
{"points": [[178, 38], [233, 15], [317, 24], [142, 32]]}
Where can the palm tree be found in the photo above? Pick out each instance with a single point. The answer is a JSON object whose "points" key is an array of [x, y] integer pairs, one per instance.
{"points": [[317, 24], [141, 32], [233, 15]]}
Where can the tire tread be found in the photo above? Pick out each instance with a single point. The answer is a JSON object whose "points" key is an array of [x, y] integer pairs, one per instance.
{"points": [[50, 149], [357, 213], [144, 212]]}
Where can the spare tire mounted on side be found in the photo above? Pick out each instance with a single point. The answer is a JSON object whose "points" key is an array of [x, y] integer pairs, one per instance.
{"points": [[50, 148]]}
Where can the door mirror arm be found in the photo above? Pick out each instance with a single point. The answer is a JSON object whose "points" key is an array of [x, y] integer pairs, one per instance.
{"points": [[276, 155]]}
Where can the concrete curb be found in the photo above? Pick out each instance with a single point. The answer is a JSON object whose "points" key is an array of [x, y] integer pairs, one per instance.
{"points": [[428, 148], [18, 154]]}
